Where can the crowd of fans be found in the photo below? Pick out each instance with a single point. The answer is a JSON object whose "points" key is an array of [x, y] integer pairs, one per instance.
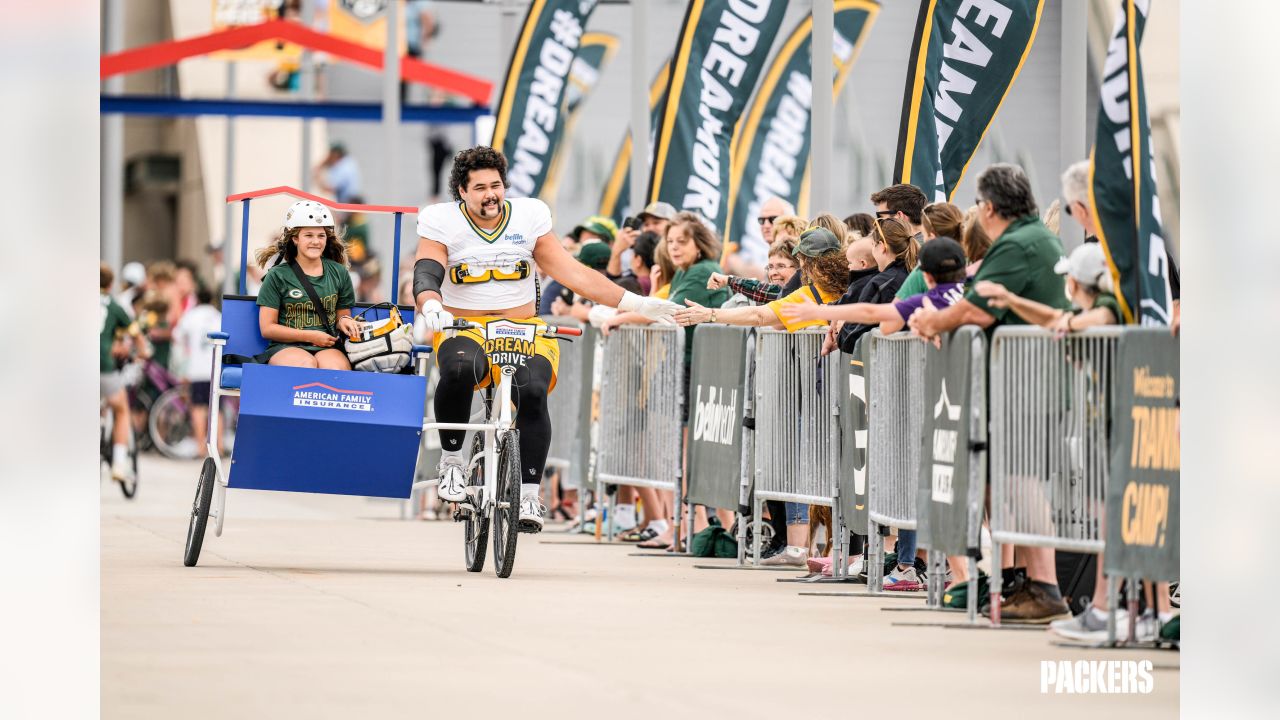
{"points": [[905, 265]]}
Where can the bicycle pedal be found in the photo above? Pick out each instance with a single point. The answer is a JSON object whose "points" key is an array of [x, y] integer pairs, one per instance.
{"points": [[528, 528]]}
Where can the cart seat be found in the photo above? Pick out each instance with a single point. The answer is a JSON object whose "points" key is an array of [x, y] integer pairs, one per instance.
{"points": [[231, 377], [243, 336]]}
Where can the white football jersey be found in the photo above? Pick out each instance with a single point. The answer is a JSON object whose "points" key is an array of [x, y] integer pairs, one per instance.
{"points": [[487, 270]]}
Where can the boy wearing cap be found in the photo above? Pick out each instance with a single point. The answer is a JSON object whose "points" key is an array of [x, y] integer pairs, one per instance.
{"points": [[1088, 286], [943, 263]]}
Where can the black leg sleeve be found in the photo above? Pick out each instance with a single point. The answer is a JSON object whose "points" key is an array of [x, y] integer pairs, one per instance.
{"points": [[462, 364], [532, 417]]}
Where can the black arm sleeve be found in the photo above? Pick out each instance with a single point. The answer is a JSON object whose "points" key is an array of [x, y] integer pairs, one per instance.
{"points": [[427, 277]]}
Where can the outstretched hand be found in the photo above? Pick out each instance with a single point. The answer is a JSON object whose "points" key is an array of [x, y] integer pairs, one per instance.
{"points": [[691, 315], [801, 311], [658, 310]]}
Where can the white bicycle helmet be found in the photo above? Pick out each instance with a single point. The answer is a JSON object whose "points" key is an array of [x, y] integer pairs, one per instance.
{"points": [[307, 213]]}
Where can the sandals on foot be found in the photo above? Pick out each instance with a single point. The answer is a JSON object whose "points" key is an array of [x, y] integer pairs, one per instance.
{"points": [[638, 535]]}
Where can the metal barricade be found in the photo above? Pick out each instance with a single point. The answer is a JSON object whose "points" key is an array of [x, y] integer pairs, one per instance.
{"points": [[1051, 406], [639, 438], [570, 407], [797, 448], [896, 414]]}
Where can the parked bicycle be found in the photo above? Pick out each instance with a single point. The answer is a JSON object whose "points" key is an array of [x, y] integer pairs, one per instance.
{"points": [[128, 485]]}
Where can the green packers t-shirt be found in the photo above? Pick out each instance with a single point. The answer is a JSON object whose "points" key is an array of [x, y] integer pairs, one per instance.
{"points": [[1022, 259], [1108, 301], [280, 290], [914, 285], [114, 320]]}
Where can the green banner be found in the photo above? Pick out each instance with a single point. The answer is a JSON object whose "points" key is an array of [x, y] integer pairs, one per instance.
{"points": [[717, 403], [853, 439], [725, 44], [964, 59], [616, 198], [771, 144], [1143, 498], [595, 51], [1124, 201], [530, 118], [952, 483]]}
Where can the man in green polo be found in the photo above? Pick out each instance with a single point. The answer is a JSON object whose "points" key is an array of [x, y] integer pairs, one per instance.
{"points": [[1023, 256]]}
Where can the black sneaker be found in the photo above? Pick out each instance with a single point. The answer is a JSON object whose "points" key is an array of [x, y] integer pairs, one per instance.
{"points": [[772, 550]]}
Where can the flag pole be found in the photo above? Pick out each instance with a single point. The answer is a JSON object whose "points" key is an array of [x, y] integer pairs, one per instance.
{"points": [[639, 106], [822, 75]]}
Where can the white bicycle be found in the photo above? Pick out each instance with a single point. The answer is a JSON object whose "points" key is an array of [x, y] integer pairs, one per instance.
{"points": [[493, 469]]}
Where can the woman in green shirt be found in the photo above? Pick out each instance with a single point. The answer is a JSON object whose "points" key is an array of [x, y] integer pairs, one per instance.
{"points": [[307, 248]]}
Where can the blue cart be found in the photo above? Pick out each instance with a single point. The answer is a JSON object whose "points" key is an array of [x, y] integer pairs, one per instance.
{"points": [[297, 426]]}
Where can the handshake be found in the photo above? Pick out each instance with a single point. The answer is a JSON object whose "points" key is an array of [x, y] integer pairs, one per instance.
{"points": [[433, 318]]}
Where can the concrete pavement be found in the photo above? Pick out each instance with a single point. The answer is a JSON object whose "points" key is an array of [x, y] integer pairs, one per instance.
{"points": [[318, 607]]}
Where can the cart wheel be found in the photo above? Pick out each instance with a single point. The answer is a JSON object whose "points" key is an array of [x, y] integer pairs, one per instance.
{"points": [[506, 520], [199, 513], [476, 528], [129, 486]]}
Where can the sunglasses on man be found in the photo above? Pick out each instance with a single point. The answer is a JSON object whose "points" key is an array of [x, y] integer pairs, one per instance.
{"points": [[767, 219]]}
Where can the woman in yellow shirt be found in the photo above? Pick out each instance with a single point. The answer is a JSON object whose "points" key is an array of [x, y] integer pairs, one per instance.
{"points": [[825, 272]]}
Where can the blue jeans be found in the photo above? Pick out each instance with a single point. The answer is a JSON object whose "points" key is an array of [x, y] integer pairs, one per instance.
{"points": [[797, 514], [906, 547]]}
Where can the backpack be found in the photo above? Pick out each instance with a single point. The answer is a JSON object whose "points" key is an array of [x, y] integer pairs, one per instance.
{"points": [[714, 541]]}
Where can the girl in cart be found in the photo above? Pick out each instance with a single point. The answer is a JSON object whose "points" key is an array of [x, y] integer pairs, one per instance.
{"points": [[306, 297]]}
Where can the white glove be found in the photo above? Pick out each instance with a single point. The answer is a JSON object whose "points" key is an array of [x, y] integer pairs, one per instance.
{"points": [[432, 319], [650, 307]]}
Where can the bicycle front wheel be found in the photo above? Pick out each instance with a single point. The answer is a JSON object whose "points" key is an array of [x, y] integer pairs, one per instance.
{"points": [[506, 513], [476, 524], [170, 425]]}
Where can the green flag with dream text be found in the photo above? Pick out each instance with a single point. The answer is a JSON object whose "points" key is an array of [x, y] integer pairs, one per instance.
{"points": [[771, 144], [1122, 179], [530, 117], [595, 51], [720, 54], [964, 59], [615, 200]]}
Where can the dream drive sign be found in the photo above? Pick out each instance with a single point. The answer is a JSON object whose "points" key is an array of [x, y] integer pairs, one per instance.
{"points": [[594, 52], [615, 199], [1122, 192], [771, 144], [529, 122], [964, 59], [719, 56]]}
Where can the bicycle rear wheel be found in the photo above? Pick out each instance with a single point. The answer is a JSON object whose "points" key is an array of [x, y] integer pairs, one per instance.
{"points": [[506, 512], [170, 425], [139, 413], [476, 525]]}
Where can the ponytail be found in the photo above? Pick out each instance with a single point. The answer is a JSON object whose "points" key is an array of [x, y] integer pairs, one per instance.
{"points": [[899, 240], [285, 250]]}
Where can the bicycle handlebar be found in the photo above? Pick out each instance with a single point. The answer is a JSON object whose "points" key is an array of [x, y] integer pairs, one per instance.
{"points": [[546, 331]]}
